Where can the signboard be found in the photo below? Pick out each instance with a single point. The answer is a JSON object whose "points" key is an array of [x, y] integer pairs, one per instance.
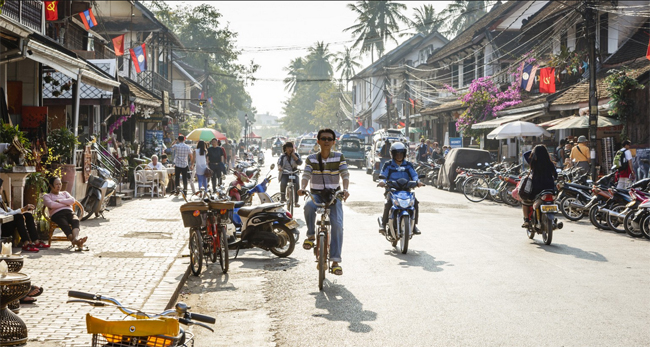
{"points": [[456, 142], [371, 130], [153, 139], [119, 111], [175, 130], [33, 117], [154, 118], [165, 102]]}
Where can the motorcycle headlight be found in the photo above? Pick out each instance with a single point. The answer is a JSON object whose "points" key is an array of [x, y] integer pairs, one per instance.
{"points": [[403, 203]]}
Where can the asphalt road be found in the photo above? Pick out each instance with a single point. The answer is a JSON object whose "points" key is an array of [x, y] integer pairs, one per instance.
{"points": [[472, 278]]}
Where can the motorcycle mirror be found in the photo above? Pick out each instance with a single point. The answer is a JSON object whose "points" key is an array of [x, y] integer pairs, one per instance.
{"points": [[479, 164], [590, 181], [272, 166]]}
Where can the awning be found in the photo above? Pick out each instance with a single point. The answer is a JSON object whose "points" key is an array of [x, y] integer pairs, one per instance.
{"points": [[552, 122], [94, 79], [582, 122], [142, 97], [493, 123]]}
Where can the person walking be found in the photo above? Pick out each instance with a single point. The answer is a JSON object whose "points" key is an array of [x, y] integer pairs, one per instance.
{"points": [[580, 153], [182, 158], [227, 148], [624, 166], [216, 158], [200, 164]]}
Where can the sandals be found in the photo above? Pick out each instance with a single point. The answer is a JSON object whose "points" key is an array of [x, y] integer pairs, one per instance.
{"points": [[39, 291], [308, 244], [41, 244], [336, 270], [28, 300]]}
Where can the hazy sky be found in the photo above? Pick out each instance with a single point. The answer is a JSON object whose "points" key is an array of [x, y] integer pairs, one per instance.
{"points": [[274, 32]]}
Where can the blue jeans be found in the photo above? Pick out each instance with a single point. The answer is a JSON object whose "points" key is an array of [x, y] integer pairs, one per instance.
{"points": [[336, 225], [203, 182]]}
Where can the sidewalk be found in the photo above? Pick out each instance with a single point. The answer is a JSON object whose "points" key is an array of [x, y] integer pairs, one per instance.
{"points": [[131, 258]]}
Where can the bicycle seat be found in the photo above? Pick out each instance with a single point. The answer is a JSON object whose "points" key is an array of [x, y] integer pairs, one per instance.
{"points": [[249, 210]]}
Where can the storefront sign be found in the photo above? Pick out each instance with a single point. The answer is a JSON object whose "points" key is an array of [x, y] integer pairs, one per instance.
{"points": [[165, 100], [456, 142], [613, 131], [118, 111], [153, 139], [155, 117]]}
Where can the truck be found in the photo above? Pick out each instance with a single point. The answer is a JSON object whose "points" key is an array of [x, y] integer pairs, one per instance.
{"points": [[353, 151]]}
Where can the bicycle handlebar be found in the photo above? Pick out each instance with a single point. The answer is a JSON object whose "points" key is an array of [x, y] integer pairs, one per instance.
{"points": [[84, 296], [336, 195], [201, 318]]}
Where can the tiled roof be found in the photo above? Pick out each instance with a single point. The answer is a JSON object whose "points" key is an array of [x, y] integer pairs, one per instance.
{"points": [[580, 92], [635, 47], [550, 11], [448, 106], [465, 38]]}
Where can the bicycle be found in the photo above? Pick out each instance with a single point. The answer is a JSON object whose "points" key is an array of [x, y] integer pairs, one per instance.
{"points": [[289, 192], [321, 251], [145, 329]]}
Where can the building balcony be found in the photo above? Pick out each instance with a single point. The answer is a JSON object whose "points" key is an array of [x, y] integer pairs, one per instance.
{"points": [[26, 12], [155, 82], [77, 40]]}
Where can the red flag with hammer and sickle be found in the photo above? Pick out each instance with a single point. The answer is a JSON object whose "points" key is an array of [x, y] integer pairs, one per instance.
{"points": [[51, 10], [547, 80]]}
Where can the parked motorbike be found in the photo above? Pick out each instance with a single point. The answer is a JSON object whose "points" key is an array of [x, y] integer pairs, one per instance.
{"points": [[600, 196], [542, 217], [634, 214], [573, 199], [100, 188], [243, 189], [401, 219]]}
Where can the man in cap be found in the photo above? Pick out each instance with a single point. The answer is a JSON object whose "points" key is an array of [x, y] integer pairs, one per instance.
{"points": [[580, 153]]}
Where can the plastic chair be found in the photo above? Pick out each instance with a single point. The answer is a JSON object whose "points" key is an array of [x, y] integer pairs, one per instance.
{"points": [[76, 209]]}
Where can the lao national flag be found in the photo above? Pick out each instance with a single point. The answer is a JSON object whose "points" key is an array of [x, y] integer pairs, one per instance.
{"points": [[138, 55], [51, 10], [528, 76], [88, 18], [547, 80], [118, 45]]}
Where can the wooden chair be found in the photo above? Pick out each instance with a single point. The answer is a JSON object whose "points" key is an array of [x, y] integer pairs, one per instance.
{"points": [[76, 208]]}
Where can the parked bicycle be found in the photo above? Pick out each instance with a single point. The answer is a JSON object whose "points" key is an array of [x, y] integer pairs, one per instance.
{"points": [[144, 329]]}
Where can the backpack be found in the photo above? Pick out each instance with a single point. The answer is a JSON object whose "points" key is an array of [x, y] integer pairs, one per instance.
{"points": [[620, 162]]}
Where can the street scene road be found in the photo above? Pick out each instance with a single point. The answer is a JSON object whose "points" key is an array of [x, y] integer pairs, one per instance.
{"points": [[472, 278]]}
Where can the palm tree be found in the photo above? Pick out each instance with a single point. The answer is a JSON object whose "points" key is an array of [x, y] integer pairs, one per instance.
{"points": [[461, 14], [426, 20], [346, 63], [318, 63], [377, 22], [295, 71]]}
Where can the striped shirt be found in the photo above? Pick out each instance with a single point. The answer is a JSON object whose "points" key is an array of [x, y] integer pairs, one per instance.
{"points": [[334, 168], [181, 154]]}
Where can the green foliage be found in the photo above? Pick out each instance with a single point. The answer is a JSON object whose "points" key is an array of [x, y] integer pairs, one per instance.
{"points": [[571, 61], [62, 142], [377, 22], [620, 87], [190, 124], [426, 20], [461, 14], [346, 64], [2, 3], [8, 132]]}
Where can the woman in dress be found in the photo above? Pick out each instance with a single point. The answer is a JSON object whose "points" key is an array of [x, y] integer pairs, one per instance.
{"points": [[200, 164]]}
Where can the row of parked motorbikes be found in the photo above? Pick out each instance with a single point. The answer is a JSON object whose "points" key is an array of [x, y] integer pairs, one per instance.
{"points": [[576, 197]]}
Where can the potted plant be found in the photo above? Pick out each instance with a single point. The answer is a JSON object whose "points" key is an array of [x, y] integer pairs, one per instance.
{"points": [[63, 143]]}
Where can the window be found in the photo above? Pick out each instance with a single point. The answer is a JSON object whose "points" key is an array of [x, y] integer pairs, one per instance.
{"points": [[468, 71], [455, 81], [481, 67], [564, 39]]}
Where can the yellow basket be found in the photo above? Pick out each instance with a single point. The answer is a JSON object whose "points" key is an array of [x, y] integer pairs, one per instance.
{"points": [[159, 332]]}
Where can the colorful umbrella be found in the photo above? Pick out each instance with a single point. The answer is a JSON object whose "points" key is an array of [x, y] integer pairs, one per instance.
{"points": [[205, 134]]}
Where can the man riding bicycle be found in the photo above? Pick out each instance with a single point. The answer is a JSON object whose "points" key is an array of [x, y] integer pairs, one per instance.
{"points": [[325, 169], [288, 163], [392, 171]]}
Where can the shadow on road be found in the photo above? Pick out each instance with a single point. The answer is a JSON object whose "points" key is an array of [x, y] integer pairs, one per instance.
{"points": [[211, 280], [343, 306], [576, 252], [418, 258]]}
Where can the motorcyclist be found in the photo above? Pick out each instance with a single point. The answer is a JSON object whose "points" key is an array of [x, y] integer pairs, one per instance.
{"points": [[393, 170]]}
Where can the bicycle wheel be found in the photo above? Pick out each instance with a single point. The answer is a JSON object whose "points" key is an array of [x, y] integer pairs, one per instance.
{"points": [[196, 251], [223, 249], [404, 234], [322, 260], [475, 189], [494, 184], [289, 196]]}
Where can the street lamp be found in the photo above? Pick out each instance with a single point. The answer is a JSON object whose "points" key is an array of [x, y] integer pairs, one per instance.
{"points": [[246, 130]]}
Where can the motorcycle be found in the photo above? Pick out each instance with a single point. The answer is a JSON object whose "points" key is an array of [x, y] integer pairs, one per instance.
{"points": [[276, 150], [401, 219], [242, 189], [573, 198], [634, 214], [542, 217], [623, 202], [600, 196], [260, 157], [100, 188]]}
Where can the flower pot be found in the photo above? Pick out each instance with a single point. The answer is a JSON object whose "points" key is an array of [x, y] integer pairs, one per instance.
{"points": [[30, 194], [67, 175]]}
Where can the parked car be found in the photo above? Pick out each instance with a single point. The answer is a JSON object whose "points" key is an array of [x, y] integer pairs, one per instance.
{"points": [[306, 145], [353, 152]]}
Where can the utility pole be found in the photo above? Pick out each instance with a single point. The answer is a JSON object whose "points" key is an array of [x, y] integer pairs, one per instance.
{"points": [[407, 97], [387, 103], [590, 19], [204, 91]]}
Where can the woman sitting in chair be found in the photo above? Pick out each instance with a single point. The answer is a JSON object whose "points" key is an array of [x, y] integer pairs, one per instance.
{"points": [[59, 205], [24, 222]]}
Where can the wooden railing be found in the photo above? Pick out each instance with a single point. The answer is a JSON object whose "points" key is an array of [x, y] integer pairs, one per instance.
{"points": [[26, 12]]}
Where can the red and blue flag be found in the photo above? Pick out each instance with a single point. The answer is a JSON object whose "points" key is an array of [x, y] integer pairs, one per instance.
{"points": [[139, 57], [88, 18]]}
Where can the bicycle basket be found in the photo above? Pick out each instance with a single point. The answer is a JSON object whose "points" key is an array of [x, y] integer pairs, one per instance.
{"points": [[159, 332], [190, 217]]}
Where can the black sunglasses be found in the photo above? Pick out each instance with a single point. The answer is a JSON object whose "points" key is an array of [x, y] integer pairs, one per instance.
{"points": [[327, 139]]}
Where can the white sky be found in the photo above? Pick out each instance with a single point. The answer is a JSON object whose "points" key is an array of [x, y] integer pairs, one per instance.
{"points": [[270, 24]]}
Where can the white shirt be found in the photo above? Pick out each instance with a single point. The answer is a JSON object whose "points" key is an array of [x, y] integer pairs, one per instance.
{"points": [[158, 166]]}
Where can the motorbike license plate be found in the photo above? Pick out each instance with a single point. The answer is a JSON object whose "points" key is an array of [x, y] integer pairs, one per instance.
{"points": [[630, 204], [549, 208], [292, 177], [292, 224]]}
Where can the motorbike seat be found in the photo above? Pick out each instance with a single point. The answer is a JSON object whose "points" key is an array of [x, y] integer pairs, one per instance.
{"points": [[249, 210], [622, 191], [249, 185], [250, 172], [577, 186], [240, 204]]}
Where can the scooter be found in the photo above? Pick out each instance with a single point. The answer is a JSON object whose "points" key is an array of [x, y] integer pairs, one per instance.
{"points": [[100, 188], [401, 219], [260, 157], [542, 217]]}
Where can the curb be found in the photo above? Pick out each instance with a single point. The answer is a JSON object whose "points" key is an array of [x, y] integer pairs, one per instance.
{"points": [[181, 283]]}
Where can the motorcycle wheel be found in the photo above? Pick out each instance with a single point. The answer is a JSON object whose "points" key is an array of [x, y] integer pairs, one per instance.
{"points": [[91, 203], [506, 196], [547, 228], [404, 234], [569, 212], [322, 260], [224, 260], [530, 232], [597, 218], [196, 251], [475, 189], [613, 223], [628, 223], [287, 241], [645, 226]]}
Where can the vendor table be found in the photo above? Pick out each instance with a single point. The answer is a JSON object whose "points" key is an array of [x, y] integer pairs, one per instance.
{"points": [[6, 219], [13, 330]]}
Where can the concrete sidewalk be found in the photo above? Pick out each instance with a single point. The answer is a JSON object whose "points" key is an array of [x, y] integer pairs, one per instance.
{"points": [[134, 256]]}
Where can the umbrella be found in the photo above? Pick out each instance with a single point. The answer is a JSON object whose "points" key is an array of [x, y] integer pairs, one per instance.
{"points": [[253, 136], [582, 122], [517, 129], [205, 134]]}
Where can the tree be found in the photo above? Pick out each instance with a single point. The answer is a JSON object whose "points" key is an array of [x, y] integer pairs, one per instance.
{"points": [[377, 22], [426, 20], [295, 70], [461, 14], [346, 64], [318, 65]]}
